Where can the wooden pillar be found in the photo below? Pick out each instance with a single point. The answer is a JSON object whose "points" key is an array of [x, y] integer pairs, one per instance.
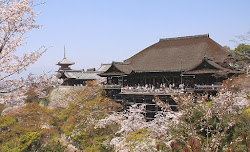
{"points": [[134, 100], [154, 81]]}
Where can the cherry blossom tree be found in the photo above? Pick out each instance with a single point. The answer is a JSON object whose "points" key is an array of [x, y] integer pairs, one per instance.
{"points": [[137, 134], [16, 19], [208, 122], [205, 123]]}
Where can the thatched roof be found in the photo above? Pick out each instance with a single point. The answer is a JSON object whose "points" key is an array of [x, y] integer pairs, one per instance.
{"points": [[209, 66], [173, 55], [177, 54]]}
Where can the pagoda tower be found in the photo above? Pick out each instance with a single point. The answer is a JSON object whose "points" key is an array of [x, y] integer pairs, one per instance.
{"points": [[64, 64]]}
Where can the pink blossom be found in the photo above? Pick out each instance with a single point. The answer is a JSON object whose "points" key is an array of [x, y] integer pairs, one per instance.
{"points": [[16, 19]]}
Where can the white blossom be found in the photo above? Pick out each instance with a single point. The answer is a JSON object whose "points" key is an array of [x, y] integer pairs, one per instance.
{"points": [[16, 19]]}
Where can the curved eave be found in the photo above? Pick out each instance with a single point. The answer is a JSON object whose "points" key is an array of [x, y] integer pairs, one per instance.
{"points": [[163, 71], [111, 74], [214, 72], [65, 63]]}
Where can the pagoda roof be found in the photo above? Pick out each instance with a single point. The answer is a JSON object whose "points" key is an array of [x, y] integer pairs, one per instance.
{"points": [[65, 61]]}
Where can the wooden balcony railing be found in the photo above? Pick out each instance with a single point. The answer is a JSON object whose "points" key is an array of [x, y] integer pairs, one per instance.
{"points": [[112, 86], [162, 90], [207, 87]]}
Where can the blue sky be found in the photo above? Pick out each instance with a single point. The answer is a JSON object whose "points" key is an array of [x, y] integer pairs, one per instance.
{"points": [[98, 31]]}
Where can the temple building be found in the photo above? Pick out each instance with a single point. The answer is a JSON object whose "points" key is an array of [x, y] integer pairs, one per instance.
{"points": [[192, 62], [171, 66], [78, 77], [64, 64]]}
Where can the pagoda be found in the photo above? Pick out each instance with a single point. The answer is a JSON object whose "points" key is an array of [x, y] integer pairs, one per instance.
{"points": [[64, 64], [72, 77]]}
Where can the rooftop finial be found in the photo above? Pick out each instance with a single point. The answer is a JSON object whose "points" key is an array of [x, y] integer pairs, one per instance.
{"points": [[64, 53]]}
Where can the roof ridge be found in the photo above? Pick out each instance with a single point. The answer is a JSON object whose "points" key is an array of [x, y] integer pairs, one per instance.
{"points": [[185, 37], [105, 63], [121, 63]]}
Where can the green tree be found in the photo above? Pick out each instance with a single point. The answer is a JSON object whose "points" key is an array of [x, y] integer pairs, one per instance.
{"points": [[243, 52], [227, 48]]}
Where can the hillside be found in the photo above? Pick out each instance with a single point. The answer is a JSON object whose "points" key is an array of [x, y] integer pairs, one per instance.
{"points": [[81, 119], [65, 125]]}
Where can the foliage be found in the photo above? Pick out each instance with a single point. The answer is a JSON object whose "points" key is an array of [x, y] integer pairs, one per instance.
{"points": [[91, 122], [243, 51], [91, 83], [2, 107], [6, 121], [78, 120], [23, 143], [247, 111], [137, 134], [26, 128], [53, 146], [220, 124]]}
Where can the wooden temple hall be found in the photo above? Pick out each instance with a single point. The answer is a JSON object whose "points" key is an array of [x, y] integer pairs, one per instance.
{"points": [[170, 66], [173, 63]]}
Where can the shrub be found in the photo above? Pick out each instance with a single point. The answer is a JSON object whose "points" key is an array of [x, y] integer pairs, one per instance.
{"points": [[6, 121], [22, 144]]}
